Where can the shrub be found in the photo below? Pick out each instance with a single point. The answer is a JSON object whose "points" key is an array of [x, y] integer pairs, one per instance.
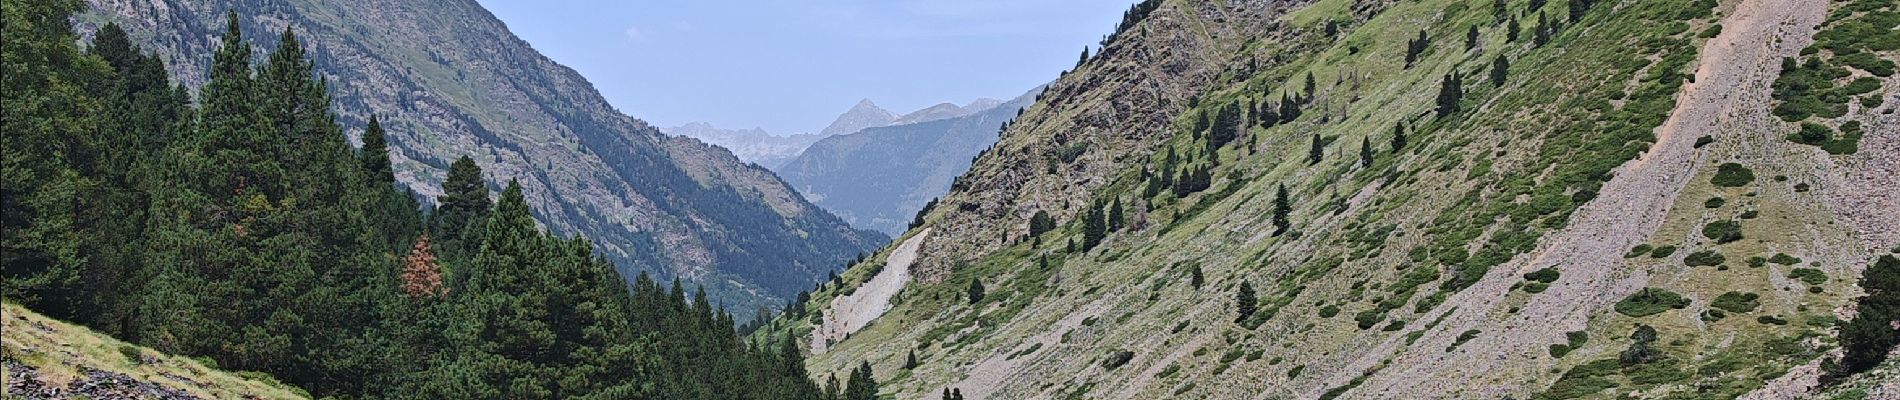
{"points": [[1642, 349], [1810, 275], [1723, 231], [1704, 258], [1663, 251], [1757, 262], [1650, 301], [1640, 249], [1714, 202], [131, 354], [1328, 311], [1771, 320], [1546, 275], [1117, 359], [1732, 175], [1737, 302]]}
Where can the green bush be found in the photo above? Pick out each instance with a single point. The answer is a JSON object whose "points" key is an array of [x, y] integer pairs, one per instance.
{"points": [[1704, 258], [1810, 275], [1650, 301], [1771, 320], [1640, 249], [1545, 275], [1663, 251], [1757, 262], [1737, 302], [1732, 175], [1117, 359], [1723, 231], [1328, 311], [1714, 202]]}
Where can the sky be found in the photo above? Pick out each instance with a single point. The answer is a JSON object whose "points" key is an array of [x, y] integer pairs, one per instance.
{"points": [[791, 66]]}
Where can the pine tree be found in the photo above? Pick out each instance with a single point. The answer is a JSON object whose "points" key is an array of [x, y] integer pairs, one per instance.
{"points": [[910, 360], [1312, 88], [1471, 38], [1365, 151], [861, 386], [1415, 47], [1500, 67], [1094, 227], [1317, 152], [421, 277], [1543, 31], [1084, 59], [1398, 137], [975, 291], [1244, 302], [1115, 218], [1511, 29], [1867, 339], [375, 154], [1450, 92], [1195, 278], [463, 204], [1282, 206]]}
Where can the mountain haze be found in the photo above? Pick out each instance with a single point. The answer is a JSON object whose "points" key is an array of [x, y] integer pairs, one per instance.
{"points": [[877, 178], [750, 145], [865, 114], [447, 79]]}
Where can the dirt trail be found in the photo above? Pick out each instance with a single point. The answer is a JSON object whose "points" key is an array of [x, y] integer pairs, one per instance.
{"points": [[848, 314], [1730, 96]]}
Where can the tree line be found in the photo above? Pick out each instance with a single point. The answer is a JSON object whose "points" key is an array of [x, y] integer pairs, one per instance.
{"points": [[238, 225]]}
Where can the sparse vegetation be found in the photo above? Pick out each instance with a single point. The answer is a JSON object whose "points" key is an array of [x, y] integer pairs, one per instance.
{"points": [[1650, 301]]}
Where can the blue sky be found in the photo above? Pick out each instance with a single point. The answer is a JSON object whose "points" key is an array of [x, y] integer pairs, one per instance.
{"points": [[790, 66]]}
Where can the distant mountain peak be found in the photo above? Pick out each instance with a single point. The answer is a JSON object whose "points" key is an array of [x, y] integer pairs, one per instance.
{"points": [[865, 114]]}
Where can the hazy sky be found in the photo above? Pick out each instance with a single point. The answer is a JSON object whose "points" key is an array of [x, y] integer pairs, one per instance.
{"points": [[790, 66]]}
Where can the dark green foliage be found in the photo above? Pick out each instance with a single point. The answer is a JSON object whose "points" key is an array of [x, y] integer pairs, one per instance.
{"points": [[1328, 311], [1471, 38], [861, 385], [1737, 302], [1500, 69], [1194, 276], [1732, 175], [1650, 301], [1870, 336], [1450, 92], [1117, 359], [1579, 7], [1398, 137], [1665, 251], [1640, 249], [1094, 227], [1084, 59], [918, 219], [975, 291], [1282, 206], [1244, 302], [1463, 337], [1705, 258], [1703, 141], [1545, 275], [1714, 202], [1809, 275], [1317, 152], [1116, 217], [1041, 223], [1723, 231], [1642, 348], [276, 252], [1784, 259], [1511, 29], [1415, 47], [1226, 127], [1365, 152]]}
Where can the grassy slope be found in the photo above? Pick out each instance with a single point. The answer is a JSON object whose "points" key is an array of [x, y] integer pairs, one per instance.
{"points": [[58, 350], [1471, 193]]}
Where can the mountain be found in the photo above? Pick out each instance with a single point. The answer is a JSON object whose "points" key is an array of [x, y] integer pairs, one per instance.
{"points": [[650, 202], [1413, 199], [945, 111], [750, 145], [879, 177], [865, 114]]}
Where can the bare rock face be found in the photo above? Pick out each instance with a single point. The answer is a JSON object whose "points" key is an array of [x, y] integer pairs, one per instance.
{"points": [[649, 202], [865, 114]]}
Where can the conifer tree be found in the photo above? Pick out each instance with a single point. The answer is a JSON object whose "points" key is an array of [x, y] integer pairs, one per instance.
{"points": [[1195, 278], [1500, 67], [1450, 92], [1094, 227], [375, 153], [1317, 152], [1471, 38], [1867, 339], [1398, 137], [1365, 151], [421, 277], [975, 291], [1282, 206], [1115, 218], [1244, 302], [1084, 59], [910, 360], [1415, 47], [1511, 29], [861, 386], [1312, 88]]}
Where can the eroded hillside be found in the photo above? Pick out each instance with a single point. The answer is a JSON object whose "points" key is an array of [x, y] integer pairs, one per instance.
{"points": [[1422, 199]]}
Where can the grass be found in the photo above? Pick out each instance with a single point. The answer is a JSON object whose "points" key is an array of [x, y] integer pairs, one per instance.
{"points": [[59, 350]]}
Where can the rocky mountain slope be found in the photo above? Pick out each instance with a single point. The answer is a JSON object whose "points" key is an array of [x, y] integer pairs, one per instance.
{"points": [[750, 145], [1412, 199], [865, 114], [448, 79], [877, 178], [51, 359]]}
